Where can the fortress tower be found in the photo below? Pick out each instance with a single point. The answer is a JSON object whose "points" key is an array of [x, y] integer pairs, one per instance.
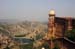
{"points": [[51, 24], [51, 27], [57, 26]]}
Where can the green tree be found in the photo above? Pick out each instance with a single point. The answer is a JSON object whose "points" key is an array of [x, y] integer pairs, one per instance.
{"points": [[7, 47], [70, 34], [56, 46], [46, 45]]}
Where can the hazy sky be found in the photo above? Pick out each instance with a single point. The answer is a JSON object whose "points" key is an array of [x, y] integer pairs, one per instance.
{"points": [[35, 9]]}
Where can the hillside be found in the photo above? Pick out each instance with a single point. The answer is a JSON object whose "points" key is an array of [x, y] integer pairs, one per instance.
{"points": [[25, 29]]}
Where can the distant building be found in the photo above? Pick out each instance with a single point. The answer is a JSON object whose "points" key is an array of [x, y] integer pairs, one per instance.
{"points": [[56, 29]]}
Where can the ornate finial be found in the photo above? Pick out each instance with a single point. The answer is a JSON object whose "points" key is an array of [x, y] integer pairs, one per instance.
{"points": [[52, 12]]}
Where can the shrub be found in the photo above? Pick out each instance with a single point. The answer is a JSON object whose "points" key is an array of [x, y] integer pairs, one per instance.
{"points": [[56, 46], [70, 34]]}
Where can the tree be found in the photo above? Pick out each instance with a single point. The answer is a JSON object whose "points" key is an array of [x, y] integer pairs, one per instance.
{"points": [[56, 46], [46, 45], [70, 34], [7, 47]]}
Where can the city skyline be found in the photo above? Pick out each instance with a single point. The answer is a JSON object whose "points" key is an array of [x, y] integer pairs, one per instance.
{"points": [[35, 9]]}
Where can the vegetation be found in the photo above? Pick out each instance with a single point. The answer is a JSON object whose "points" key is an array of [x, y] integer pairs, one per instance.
{"points": [[46, 45], [20, 35], [7, 47], [39, 36], [27, 46], [70, 34], [56, 46]]}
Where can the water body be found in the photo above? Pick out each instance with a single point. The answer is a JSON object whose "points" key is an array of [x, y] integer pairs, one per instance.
{"points": [[23, 40]]}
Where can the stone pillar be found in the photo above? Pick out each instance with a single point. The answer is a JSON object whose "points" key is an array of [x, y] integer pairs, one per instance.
{"points": [[69, 24], [51, 27]]}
